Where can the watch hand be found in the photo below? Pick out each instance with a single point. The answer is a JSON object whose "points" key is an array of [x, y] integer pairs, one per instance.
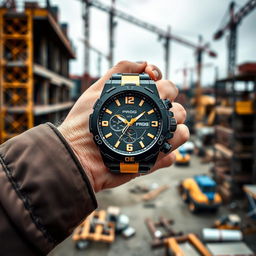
{"points": [[135, 119], [124, 131], [122, 119]]}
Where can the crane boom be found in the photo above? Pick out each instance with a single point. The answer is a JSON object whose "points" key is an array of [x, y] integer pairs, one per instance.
{"points": [[234, 21], [152, 28], [245, 10], [237, 18]]}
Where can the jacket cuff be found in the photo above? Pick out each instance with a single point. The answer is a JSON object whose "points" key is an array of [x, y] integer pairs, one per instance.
{"points": [[47, 184]]}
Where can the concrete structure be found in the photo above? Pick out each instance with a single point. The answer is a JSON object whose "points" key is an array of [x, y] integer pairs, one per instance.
{"points": [[34, 74]]}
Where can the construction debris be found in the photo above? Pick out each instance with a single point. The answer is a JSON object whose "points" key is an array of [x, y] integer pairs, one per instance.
{"points": [[139, 189], [160, 230], [154, 193], [129, 232], [185, 245], [230, 249], [210, 234]]}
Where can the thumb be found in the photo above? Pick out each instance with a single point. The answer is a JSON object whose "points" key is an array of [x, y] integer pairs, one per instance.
{"points": [[124, 66]]}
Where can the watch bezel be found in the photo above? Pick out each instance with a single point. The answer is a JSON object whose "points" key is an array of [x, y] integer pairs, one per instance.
{"points": [[116, 156]]}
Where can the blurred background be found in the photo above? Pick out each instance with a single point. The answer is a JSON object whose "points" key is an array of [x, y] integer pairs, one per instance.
{"points": [[51, 51]]}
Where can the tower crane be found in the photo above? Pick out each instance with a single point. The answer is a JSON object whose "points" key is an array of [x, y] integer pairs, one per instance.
{"points": [[99, 53], [164, 34], [231, 26], [186, 70]]}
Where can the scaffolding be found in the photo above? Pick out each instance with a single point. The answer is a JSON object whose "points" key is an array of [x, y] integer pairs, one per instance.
{"points": [[34, 66], [16, 72]]}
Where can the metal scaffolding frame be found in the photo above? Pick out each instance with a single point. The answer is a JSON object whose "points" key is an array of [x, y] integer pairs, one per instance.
{"points": [[16, 72]]}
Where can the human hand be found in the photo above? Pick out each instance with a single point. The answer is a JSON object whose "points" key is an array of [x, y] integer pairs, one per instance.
{"points": [[75, 127]]}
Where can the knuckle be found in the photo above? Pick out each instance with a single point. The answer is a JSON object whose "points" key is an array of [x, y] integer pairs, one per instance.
{"points": [[183, 114], [122, 63], [180, 111], [185, 134], [174, 87]]}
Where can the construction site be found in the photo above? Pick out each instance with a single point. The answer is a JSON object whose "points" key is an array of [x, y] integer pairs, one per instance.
{"points": [[52, 51]]}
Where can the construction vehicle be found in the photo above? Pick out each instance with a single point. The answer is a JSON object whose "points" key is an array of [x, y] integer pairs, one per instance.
{"points": [[200, 193], [96, 228], [182, 157]]}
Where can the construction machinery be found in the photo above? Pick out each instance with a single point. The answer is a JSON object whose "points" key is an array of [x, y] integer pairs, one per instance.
{"points": [[231, 26], [96, 228], [182, 157], [166, 35], [185, 73], [200, 193]]}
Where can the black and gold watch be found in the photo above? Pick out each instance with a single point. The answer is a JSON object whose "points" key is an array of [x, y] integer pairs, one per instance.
{"points": [[131, 124]]}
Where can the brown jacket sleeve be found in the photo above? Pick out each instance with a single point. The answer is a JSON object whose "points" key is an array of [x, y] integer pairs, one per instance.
{"points": [[44, 192]]}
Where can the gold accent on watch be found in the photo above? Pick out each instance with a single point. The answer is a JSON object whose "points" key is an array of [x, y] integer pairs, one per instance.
{"points": [[128, 79]]}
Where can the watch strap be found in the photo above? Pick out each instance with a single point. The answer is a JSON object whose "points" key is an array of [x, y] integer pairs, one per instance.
{"points": [[130, 79]]}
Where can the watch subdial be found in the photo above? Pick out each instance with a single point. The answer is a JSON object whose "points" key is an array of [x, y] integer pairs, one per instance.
{"points": [[130, 136], [116, 124]]}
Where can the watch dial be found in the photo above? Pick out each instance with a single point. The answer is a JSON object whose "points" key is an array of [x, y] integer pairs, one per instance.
{"points": [[130, 123]]}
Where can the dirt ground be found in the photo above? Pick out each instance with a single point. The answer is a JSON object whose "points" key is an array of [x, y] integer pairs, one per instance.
{"points": [[168, 204]]}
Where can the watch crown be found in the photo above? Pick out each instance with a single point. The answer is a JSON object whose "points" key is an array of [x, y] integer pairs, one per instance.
{"points": [[166, 147], [173, 124], [170, 113], [167, 103]]}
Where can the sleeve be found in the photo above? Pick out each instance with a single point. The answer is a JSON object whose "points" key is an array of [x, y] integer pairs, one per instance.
{"points": [[44, 192]]}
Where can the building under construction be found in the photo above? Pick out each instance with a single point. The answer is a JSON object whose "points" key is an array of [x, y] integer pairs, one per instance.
{"points": [[34, 74]]}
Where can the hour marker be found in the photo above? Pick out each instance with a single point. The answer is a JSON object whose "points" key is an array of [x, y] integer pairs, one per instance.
{"points": [[129, 147], [118, 103], [154, 123], [108, 135], [141, 103], [104, 123], [142, 144], [108, 111], [150, 135], [151, 111], [117, 144], [129, 100]]}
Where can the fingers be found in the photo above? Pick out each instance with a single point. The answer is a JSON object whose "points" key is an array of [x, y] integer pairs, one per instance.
{"points": [[124, 67], [181, 135], [167, 89], [179, 112], [154, 72], [164, 161]]}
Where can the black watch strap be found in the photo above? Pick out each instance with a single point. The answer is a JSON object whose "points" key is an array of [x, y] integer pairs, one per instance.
{"points": [[130, 79]]}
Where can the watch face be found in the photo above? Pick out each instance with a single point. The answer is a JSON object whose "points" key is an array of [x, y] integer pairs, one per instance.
{"points": [[129, 123]]}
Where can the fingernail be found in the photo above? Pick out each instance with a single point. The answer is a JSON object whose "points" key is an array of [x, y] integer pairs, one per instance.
{"points": [[156, 74]]}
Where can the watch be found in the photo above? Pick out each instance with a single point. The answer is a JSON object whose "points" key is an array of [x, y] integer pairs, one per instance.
{"points": [[131, 124]]}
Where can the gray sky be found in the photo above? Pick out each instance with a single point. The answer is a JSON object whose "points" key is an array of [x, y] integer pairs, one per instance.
{"points": [[188, 19]]}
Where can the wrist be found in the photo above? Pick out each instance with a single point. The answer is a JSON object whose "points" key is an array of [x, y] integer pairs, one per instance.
{"points": [[77, 143]]}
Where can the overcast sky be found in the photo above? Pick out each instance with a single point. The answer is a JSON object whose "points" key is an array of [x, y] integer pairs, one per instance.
{"points": [[187, 18]]}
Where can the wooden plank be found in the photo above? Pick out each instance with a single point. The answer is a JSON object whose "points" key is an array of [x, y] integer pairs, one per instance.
{"points": [[221, 110], [227, 152], [154, 193]]}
